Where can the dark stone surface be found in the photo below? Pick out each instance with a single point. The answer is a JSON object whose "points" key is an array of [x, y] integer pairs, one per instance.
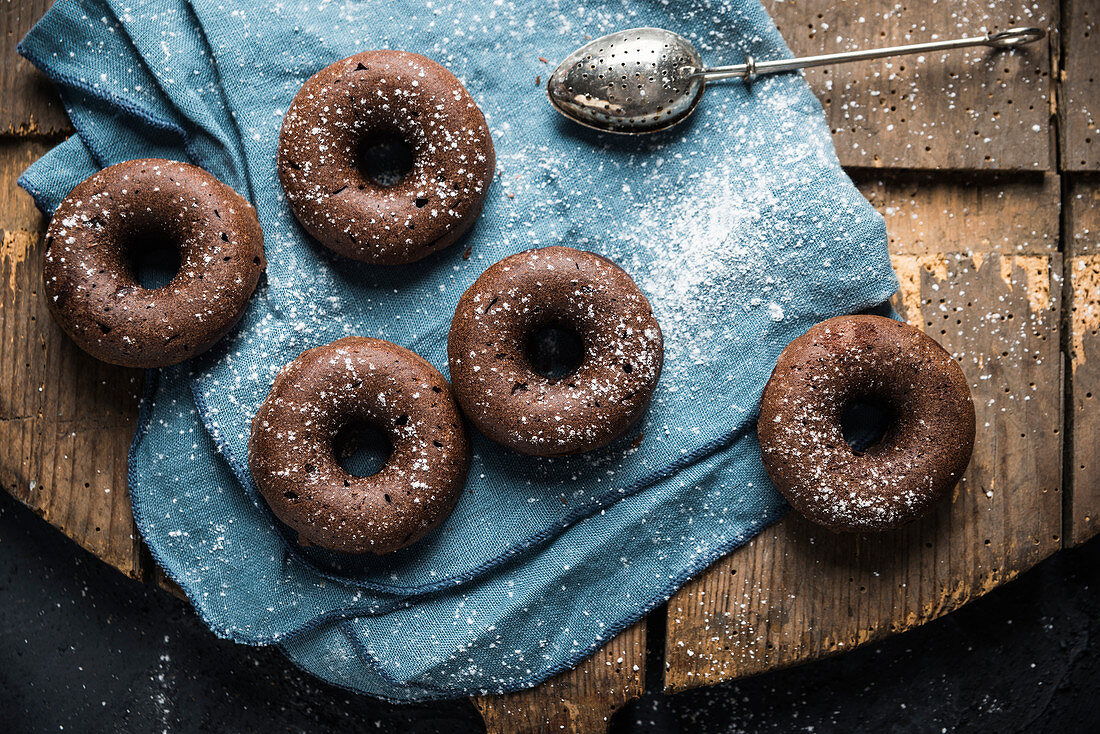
{"points": [[84, 649]]}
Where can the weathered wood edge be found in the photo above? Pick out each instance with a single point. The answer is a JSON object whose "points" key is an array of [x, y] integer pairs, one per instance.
{"points": [[1082, 336], [579, 700]]}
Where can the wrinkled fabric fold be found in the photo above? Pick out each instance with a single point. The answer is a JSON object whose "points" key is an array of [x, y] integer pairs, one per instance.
{"points": [[740, 226]]}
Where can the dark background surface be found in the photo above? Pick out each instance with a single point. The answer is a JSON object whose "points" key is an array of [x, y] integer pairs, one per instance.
{"points": [[84, 649]]}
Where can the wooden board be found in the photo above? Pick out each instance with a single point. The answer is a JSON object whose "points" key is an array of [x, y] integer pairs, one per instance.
{"points": [[963, 109], [978, 212], [30, 103], [580, 700], [799, 592], [66, 420], [1083, 288], [1080, 87]]}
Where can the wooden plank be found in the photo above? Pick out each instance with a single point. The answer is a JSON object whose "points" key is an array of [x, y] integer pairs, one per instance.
{"points": [[799, 592], [66, 420], [579, 701], [977, 212], [31, 105], [17, 210], [964, 109], [1083, 287], [1080, 88]]}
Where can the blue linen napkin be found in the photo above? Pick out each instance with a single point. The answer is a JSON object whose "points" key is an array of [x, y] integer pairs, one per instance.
{"points": [[739, 225]]}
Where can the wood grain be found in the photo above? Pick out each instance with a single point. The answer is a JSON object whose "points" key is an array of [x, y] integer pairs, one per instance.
{"points": [[975, 212], [30, 102], [1083, 324], [579, 701], [1080, 88], [964, 109], [799, 592], [66, 420]]}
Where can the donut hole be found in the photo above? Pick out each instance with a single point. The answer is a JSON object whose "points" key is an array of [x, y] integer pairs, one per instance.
{"points": [[865, 422], [385, 159], [555, 351], [153, 258], [361, 448]]}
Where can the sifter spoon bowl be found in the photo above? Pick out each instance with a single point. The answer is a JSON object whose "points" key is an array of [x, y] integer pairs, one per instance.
{"points": [[644, 80]]}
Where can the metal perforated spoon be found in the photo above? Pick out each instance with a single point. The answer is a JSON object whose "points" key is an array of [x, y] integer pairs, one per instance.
{"points": [[648, 79]]}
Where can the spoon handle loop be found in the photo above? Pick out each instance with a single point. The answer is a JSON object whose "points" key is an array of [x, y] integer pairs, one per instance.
{"points": [[749, 70]]}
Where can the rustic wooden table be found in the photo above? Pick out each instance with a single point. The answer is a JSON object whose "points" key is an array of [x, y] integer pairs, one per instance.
{"points": [[985, 165]]}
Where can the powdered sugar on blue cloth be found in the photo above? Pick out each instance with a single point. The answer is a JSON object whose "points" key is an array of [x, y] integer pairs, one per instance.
{"points": [[739, 226]]}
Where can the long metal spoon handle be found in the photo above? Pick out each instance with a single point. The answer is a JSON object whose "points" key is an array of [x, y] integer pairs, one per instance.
{"points": [[1010, 38]]}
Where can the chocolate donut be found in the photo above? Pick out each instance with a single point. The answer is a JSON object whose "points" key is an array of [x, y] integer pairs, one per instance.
{"points": [[356, 379], [376, 95], [581, 293], [88, 262], [865, 359]]}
